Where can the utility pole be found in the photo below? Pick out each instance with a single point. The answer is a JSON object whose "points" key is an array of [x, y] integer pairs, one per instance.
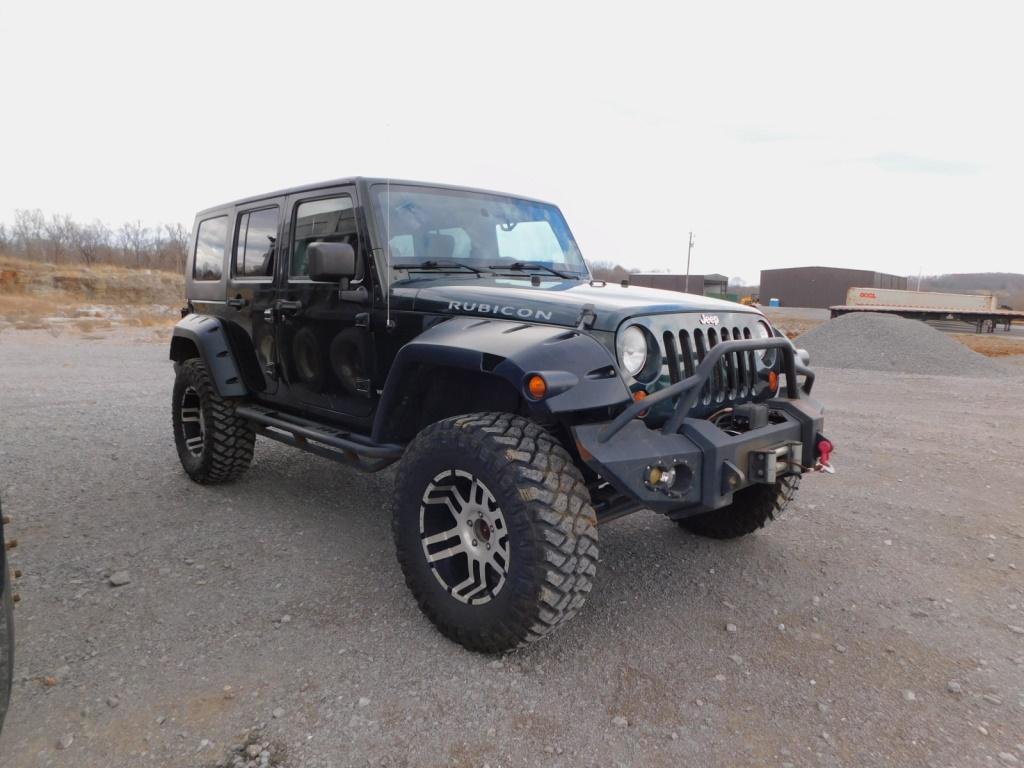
{"points": [[689, 249]]}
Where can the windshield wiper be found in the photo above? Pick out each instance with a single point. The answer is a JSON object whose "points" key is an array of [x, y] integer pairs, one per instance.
{"points": [[439, 265], [532, 266]]}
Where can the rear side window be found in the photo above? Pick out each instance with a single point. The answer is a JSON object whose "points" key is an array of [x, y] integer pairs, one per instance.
{"points": [[211, 243], [256, 243], [331, 220]]}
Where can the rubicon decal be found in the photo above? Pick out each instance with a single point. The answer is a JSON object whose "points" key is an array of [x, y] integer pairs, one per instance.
{"points": [[523, 313], [709, 319]]}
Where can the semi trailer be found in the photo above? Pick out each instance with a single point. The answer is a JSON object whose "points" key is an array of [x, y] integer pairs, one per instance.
{"points": [[979, 309]]}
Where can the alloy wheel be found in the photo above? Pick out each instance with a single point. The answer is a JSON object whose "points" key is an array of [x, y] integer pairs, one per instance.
{"points": [[464, 536]]}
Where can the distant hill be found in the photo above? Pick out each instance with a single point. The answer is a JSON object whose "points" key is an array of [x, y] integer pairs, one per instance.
{"points": [[1007, 286]]}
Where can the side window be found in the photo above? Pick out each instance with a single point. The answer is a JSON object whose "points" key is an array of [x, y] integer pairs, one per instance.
{"points": [[330, 220], [256, 243], [211, 242]]}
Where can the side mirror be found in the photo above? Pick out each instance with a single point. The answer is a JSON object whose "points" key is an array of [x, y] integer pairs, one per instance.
{"points": [[331, 262]]}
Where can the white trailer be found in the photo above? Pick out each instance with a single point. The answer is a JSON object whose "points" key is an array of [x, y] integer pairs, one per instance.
{"points": [[890, 297], [980, 309]]}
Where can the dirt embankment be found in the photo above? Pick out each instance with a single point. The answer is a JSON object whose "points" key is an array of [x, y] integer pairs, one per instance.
{"points": [[55, 297]]}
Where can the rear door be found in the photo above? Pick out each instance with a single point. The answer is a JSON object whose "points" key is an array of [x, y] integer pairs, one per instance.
{"points": [[250, 290], [323, 329]]}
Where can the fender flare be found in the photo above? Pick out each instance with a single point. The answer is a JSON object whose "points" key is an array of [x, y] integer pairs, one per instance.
{"points": [[209, 338], [580, 371]]}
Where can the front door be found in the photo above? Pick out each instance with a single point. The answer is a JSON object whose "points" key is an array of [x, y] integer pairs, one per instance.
{"points": [[322, 327]]}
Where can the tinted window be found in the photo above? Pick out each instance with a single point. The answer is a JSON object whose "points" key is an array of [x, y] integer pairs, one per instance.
{"points": [[255, 243], [331, 220], [211, 242]]}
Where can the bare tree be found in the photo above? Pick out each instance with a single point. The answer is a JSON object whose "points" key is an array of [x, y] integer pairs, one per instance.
{"points": [[58, 238], [29, 232], [133, 238], [610, 271], [59, 230], [92, 242], [177, 245]]}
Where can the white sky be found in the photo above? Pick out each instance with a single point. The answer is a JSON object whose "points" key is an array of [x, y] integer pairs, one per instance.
{"points": [[884, 136]]}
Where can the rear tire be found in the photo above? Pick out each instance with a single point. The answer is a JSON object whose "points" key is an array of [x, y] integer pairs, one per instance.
{"points": [[751, 508], [214, 444], [494, 530]]}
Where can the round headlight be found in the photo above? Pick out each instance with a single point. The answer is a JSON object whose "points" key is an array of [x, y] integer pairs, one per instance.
{"points": [[764, 331], [633, 349]]}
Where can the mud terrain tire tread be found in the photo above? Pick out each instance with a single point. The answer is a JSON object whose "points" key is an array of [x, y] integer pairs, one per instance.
{"points": [[546, 505], [229, 440], [751, 508]]}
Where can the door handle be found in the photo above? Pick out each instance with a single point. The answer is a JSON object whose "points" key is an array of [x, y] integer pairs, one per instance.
{"points": [[281, 308], [238, 302], [286, 307]]}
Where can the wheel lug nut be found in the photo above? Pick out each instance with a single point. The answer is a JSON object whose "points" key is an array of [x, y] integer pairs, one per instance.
{"points": [[474, 542]]}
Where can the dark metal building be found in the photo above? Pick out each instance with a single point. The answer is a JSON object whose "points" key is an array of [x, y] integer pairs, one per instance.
{"points": [[820, 286], [702, 285]]}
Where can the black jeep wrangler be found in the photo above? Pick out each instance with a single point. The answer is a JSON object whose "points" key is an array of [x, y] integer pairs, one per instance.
{"points": [[459, 332]]}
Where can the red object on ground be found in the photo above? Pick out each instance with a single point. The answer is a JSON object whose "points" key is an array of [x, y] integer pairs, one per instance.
{"points": [[824, 451]]}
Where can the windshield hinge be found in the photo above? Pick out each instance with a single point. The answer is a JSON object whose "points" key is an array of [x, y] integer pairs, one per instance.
{"points": [[587, 317]]}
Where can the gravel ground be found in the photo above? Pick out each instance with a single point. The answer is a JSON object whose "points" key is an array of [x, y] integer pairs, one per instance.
{"points": [[888, 343], [880, 622], [800, 320]]}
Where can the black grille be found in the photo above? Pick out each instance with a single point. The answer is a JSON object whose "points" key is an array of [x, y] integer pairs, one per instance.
{"points": [[735, 374]]}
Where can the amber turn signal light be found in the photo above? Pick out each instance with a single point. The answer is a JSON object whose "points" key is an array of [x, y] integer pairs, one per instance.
{"points": [[773, 381], [536, 386], [637, 397]]}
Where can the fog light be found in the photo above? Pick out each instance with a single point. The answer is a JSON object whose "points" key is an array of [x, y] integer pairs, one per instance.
{"points": [[659, 478]]}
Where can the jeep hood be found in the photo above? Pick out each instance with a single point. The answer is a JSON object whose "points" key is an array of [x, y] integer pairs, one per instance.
{"points": [[554, 301]]}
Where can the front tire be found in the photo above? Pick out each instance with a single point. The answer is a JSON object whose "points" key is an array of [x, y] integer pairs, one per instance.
{"points": [[494, 530], [214, 444], [751, 508]]}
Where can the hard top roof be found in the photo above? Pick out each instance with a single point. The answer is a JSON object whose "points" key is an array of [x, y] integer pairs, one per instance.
{"points": [[355, 180]]}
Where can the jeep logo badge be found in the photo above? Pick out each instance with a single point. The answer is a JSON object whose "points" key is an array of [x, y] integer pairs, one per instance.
{"points": [[709, 319]]}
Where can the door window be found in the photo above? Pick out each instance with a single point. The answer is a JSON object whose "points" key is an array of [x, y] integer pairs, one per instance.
{"points": [[331, 220], [256, 243], [211, 242]]}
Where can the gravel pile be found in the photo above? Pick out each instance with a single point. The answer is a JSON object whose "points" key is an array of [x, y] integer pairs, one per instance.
{"points": [[880, 342]]}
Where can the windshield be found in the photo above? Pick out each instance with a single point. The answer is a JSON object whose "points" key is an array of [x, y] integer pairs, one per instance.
{"points": [[473, 229]]}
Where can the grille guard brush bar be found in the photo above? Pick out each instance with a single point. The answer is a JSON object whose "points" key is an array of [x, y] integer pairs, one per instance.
{"points": [[691, 385]]}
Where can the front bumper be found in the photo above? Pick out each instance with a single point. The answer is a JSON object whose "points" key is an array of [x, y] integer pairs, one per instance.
{"points": [[708, 464]]}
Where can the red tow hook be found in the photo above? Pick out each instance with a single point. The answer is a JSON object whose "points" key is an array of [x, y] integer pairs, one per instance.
{"points": [[825, 449]]}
